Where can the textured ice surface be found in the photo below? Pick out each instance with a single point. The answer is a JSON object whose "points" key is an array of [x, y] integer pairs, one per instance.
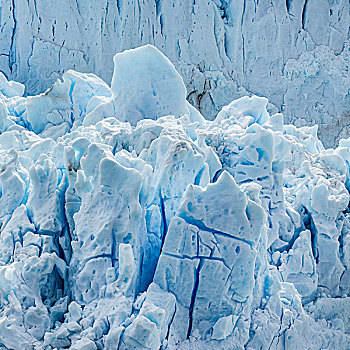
{"points": [[128, 221], [295, 52]]}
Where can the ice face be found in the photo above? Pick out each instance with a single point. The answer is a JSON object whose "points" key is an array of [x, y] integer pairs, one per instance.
{"points": [[296, 53], [167, 231]]}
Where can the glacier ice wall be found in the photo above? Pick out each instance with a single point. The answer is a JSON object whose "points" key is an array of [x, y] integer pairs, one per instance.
{"points": [[169, 231], [295, 52]]}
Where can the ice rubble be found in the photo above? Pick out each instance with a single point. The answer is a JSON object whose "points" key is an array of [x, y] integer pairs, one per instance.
{"points": [[224, 49], [167, 232]]}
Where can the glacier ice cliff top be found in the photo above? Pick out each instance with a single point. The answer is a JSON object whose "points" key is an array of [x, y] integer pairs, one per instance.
{"points": [[294, 52], [128, 221]]}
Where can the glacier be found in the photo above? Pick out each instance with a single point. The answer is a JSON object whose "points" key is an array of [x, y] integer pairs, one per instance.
{"points": [[295, 52], [129, 221]]}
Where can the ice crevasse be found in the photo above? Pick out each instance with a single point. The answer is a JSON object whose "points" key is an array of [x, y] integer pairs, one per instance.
{"points": [[128, 221]]}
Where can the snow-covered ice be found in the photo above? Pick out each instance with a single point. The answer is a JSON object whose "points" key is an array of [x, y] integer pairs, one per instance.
{"points": [[128, 221]]}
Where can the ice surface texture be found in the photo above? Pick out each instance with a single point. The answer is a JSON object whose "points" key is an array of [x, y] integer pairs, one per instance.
{"points": [[295, 52], [128, 221]]}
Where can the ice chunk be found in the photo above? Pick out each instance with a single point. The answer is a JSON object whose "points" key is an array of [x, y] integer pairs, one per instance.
{"points": [[253, 108], [43, 202], [145, 84], [299, 267], [10, 88], [84, 344], [223, 327], [206, 262], [241, 219], [12, 184], [126, 266]]}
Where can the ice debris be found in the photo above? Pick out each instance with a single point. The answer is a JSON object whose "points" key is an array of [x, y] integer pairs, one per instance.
{"points": [[130, 222]]}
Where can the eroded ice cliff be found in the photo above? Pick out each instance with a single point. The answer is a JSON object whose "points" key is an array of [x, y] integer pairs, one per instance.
{"points": [[294, 52], [167, 232]]}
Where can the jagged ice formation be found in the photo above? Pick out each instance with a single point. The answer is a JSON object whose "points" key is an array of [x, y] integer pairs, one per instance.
{"points": [[128, 221], [295, 52]]}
